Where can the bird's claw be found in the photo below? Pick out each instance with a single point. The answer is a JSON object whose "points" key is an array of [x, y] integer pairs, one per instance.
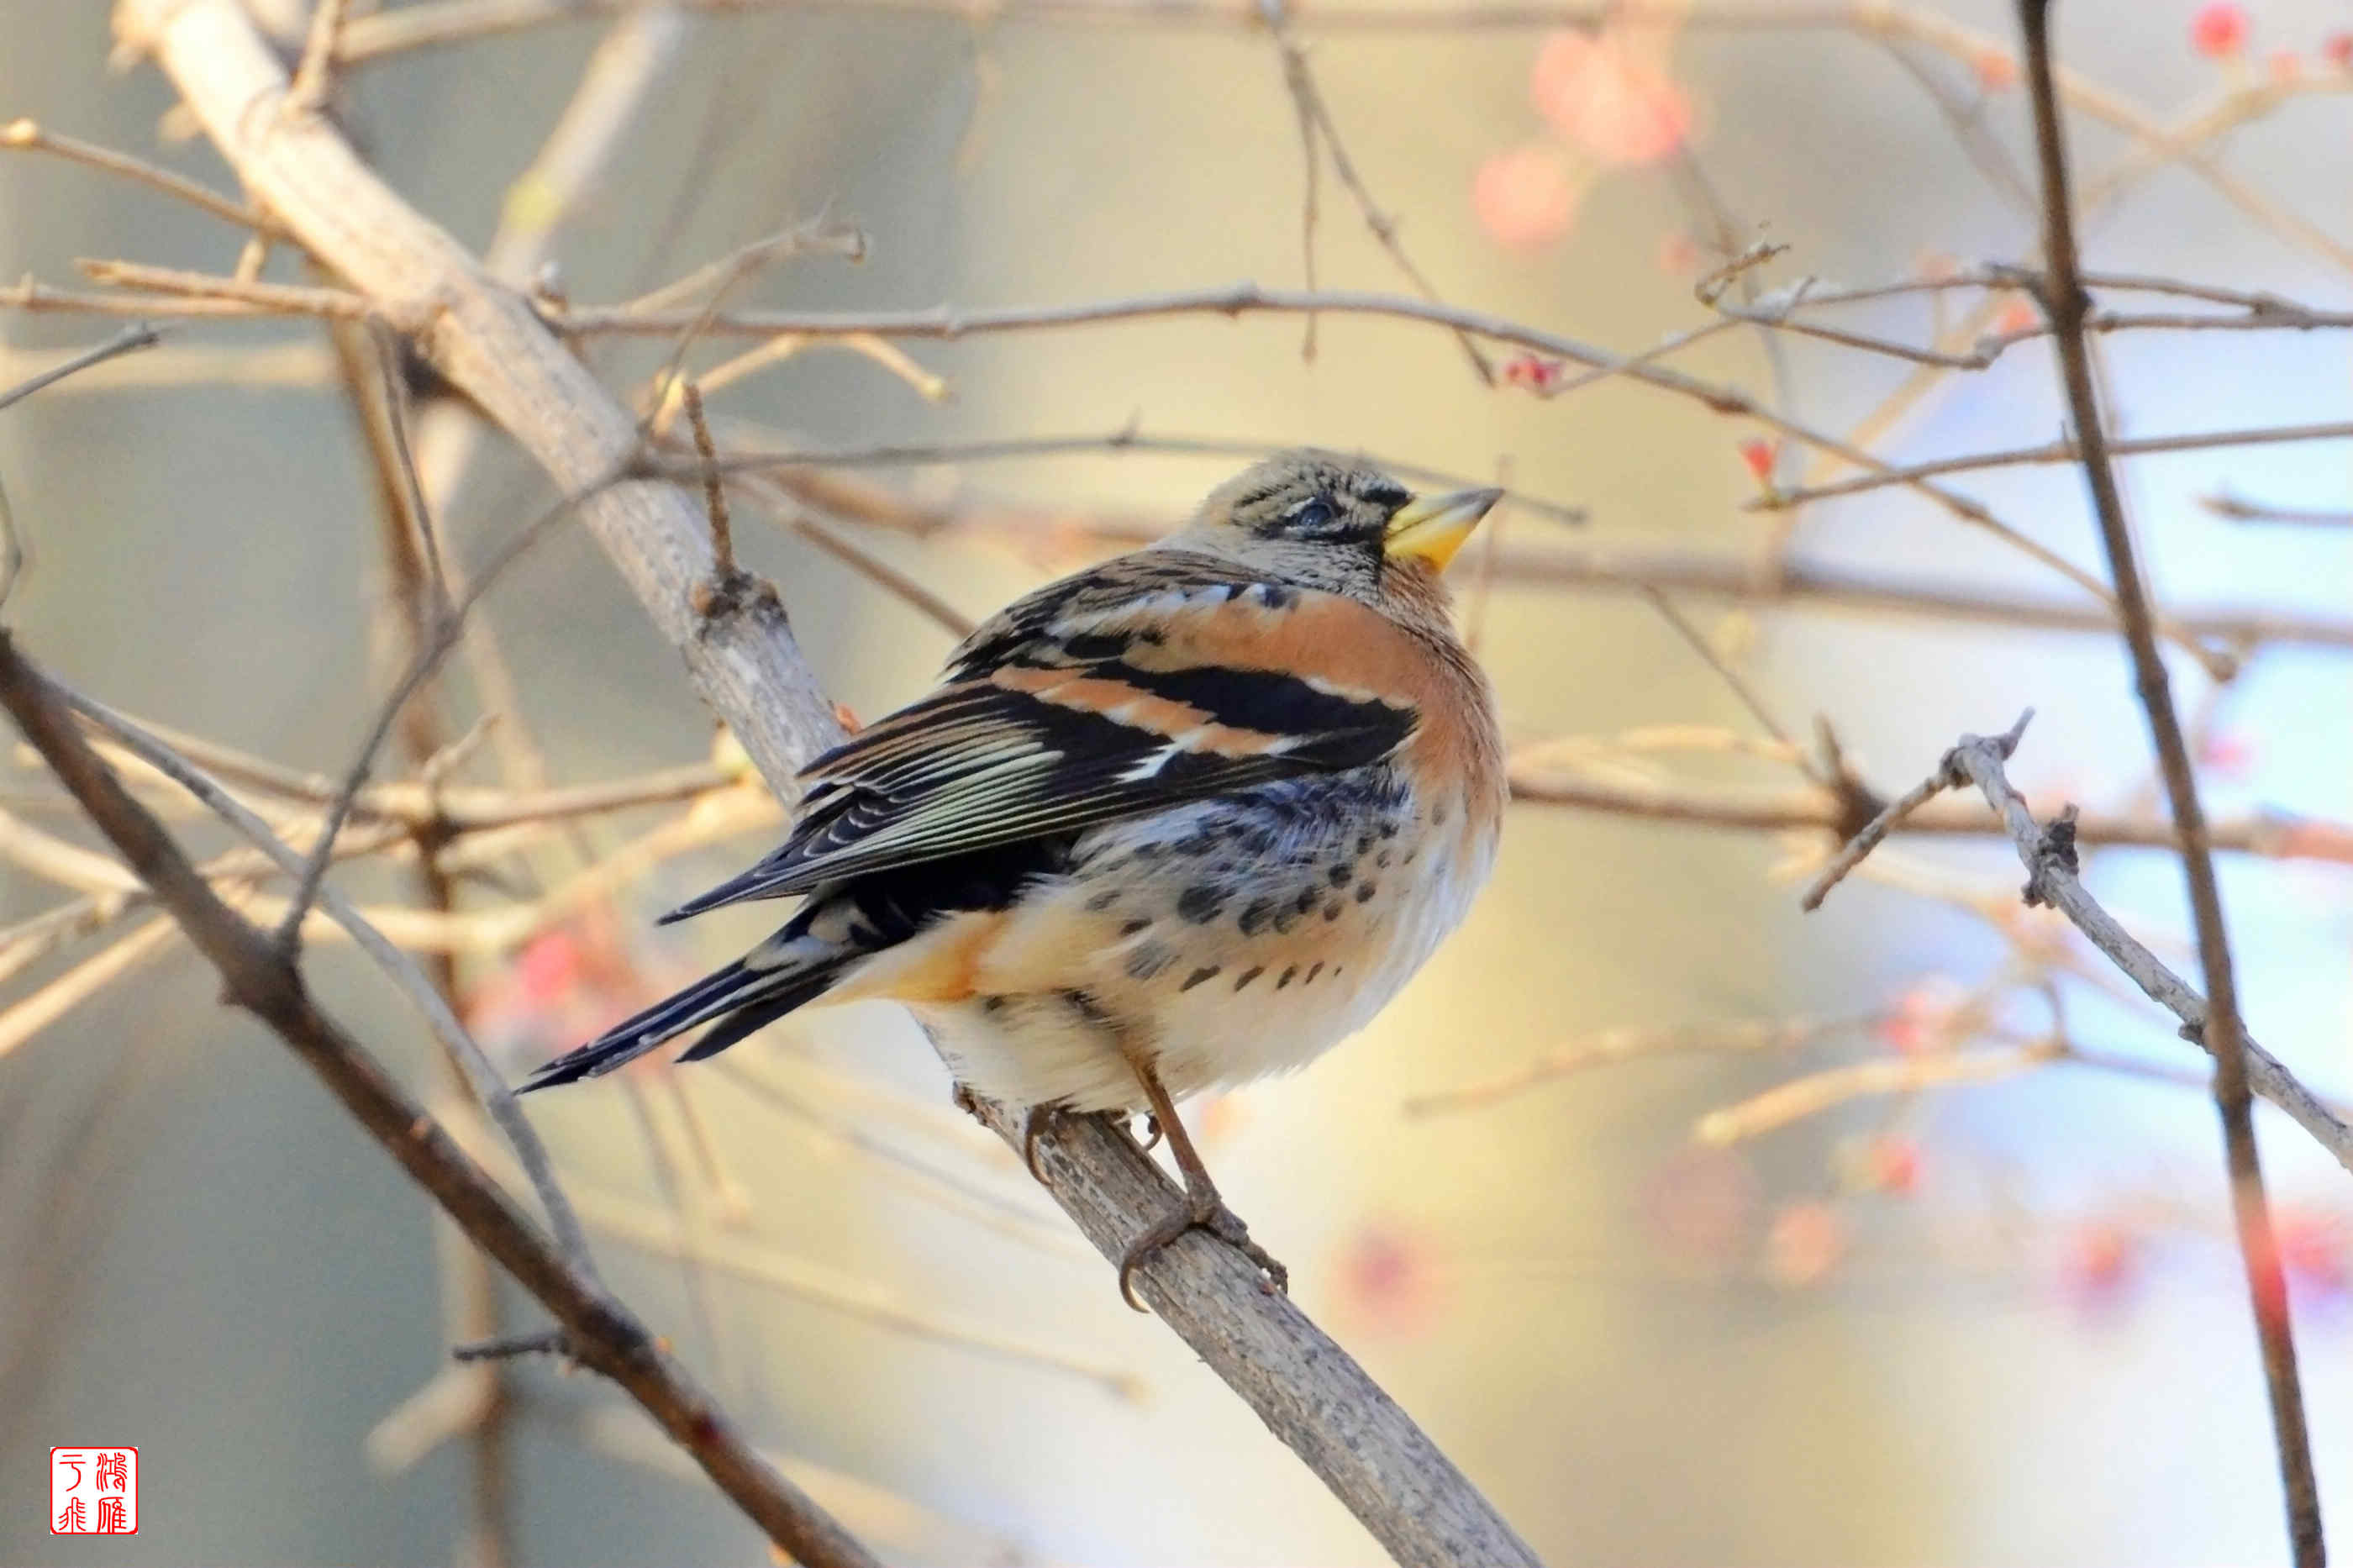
{"points": [[1201, 1210]]}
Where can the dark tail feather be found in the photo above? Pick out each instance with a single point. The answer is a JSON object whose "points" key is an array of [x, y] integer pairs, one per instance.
{"points": [[759, 882], [740, 997]]}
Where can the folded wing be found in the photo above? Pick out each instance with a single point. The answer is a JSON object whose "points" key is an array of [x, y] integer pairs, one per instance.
{"points": [[1093, 699]]}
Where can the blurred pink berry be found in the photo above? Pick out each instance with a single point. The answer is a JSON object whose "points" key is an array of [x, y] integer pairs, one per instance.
{"points": [[1678, 253], [1702, 1202], [1809, 1241], [1925, 1017], [2228, 753], [2286, 69], [550, 965], [2219, 31], [1895, 1166], [2103, 1259], [1611, 106], [1388, 1280], [2316, 1249], [2338, 50], [1539, 376], [2017, 316], [1523, 197], [1757, 455], [1220, 1117], [1996, 71]]}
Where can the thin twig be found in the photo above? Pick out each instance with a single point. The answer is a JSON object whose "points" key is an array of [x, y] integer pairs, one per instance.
{"points": [[1853, 853], [1611, 1047], [1623, 564], [2066, 304], [2239, 510], [1317, 124], [1301, 88], [29, 136], [802, 471], [2049, 855], [473, 1306], [864, 562], [1247, 298], [406, 489], [483, 1079], [28, 1016], [314, 74], [1710, 655], [820, 236], [129, 340], [1816, 1092], [12, 547], [2055, 452], [281, 298], [421, 669], [715, 489]]}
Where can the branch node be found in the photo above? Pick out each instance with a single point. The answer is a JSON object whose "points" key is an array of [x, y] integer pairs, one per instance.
{"points": [[2053, 851], [1855, 803]]}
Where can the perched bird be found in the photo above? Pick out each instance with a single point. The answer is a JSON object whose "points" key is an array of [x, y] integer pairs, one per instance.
{"points": [[1178, 821]]}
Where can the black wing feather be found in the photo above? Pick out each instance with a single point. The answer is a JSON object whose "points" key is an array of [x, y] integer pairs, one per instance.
{"points": [[991, 760]]}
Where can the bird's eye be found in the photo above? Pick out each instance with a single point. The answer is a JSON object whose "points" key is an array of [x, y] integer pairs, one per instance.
{"points": [[1312, 518]]}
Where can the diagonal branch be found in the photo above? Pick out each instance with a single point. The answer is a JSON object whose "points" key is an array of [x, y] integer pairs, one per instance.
{"points": [[259, 977], [2048, 856]]}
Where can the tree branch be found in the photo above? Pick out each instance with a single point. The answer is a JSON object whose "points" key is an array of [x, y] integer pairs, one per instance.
{"points": [[2066, 304], [260, 979]]}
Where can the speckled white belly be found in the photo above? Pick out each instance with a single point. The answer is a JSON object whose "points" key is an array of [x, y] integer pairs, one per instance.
{"points": [[1224, 940]]}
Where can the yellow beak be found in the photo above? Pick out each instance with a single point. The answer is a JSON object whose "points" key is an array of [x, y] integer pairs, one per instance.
{"points": [[1433, 528]]}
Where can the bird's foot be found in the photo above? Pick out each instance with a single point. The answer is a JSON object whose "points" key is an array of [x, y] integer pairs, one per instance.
{"points": [[1201, 1209]]}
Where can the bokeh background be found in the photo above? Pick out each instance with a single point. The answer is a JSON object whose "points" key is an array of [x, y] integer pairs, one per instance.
{"points": [[1996, 1324]]}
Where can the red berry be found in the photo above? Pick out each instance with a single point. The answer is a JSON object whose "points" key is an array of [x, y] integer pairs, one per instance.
{"points": [[2219, 31], [1539, 376]]}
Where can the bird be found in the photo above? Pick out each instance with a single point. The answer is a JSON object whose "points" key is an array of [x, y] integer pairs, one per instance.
{"points": [[1181, 820]]}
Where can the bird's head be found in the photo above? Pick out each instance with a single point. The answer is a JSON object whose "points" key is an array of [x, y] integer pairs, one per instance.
{"points": [[1316, 519]]}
